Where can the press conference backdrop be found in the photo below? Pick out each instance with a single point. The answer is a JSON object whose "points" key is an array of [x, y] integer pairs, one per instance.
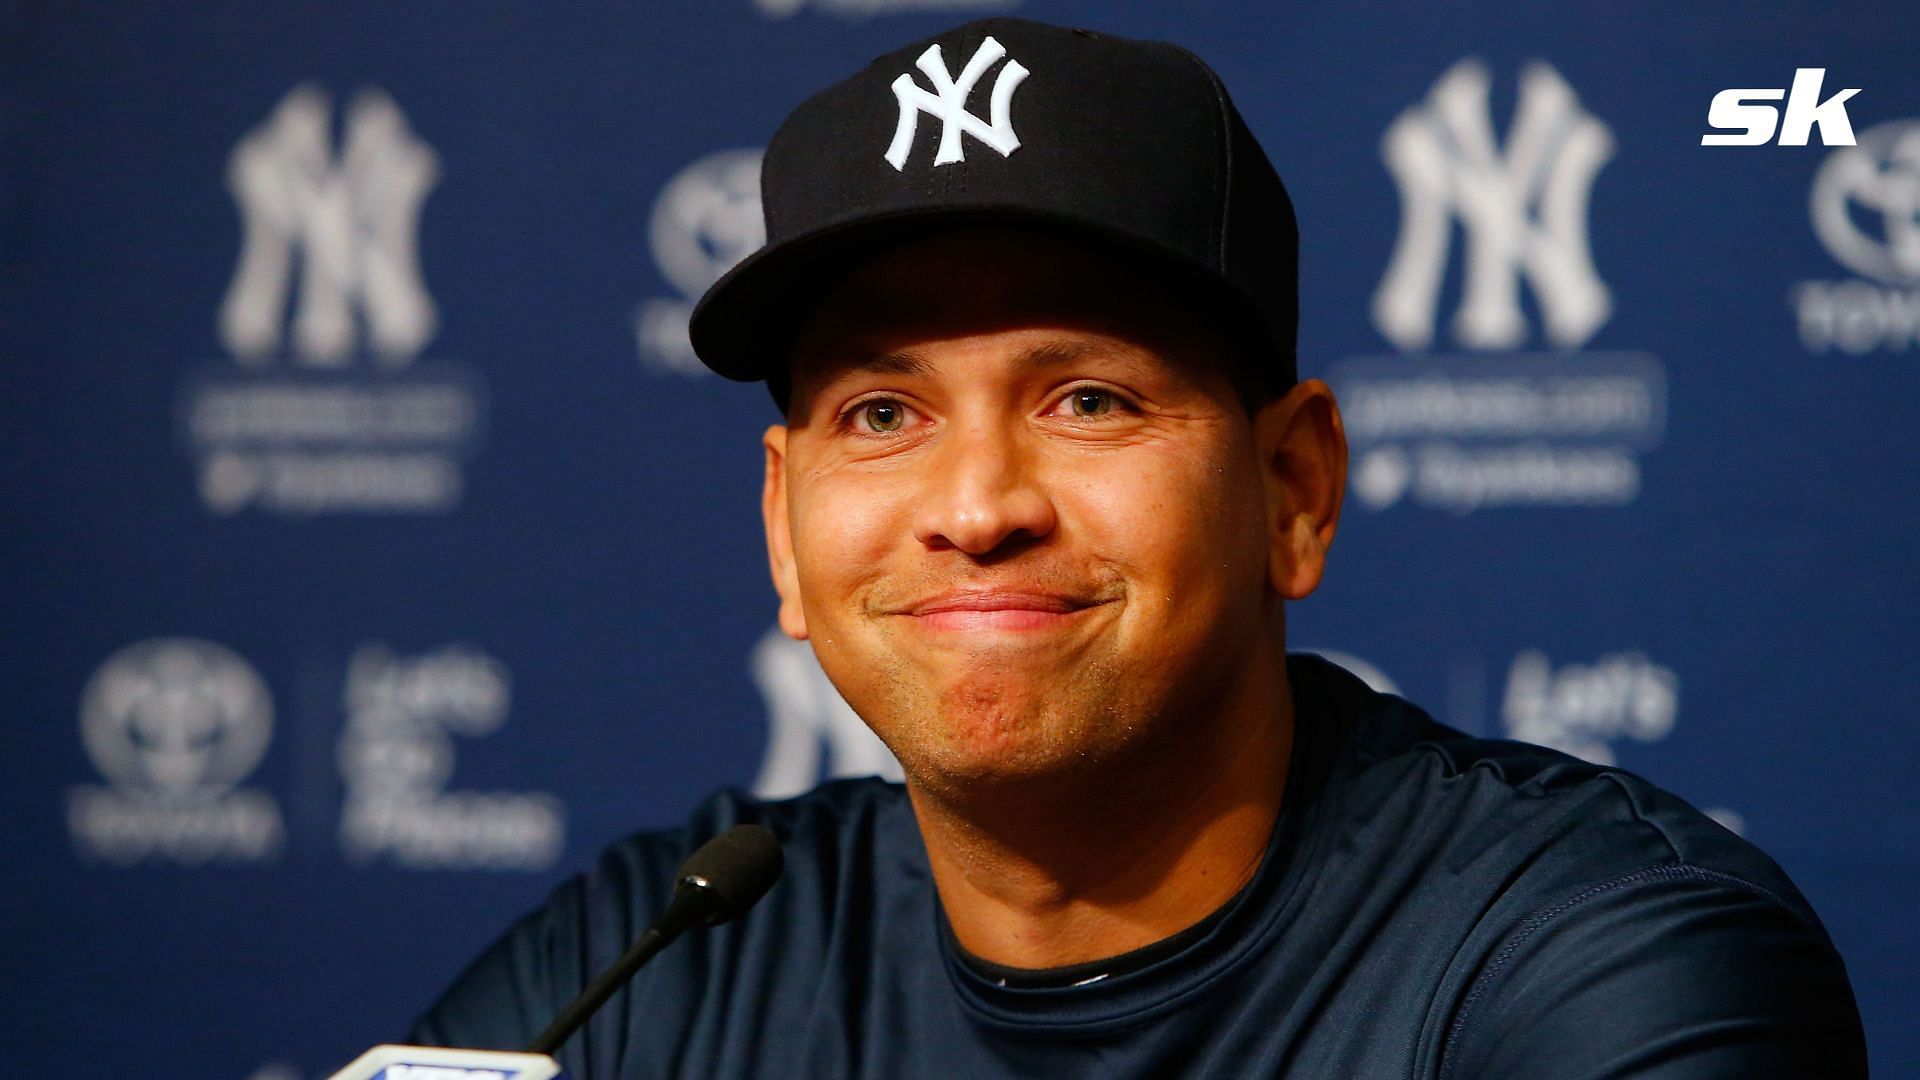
{"points": [[375, 551]]}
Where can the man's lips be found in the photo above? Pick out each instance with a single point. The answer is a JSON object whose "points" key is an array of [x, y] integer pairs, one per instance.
{"points": [[997, 610]]}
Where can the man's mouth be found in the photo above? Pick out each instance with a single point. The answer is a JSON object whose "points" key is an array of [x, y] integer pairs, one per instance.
{"points": [[997, 609]]}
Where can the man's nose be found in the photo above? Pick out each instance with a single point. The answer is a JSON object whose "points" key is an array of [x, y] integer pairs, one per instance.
{"points": [[983, 491]]}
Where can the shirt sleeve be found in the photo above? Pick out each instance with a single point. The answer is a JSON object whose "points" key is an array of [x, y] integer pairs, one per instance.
{"points": [[1671, 973]]}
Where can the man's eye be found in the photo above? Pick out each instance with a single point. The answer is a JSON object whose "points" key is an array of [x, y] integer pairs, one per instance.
{"points": [[1091, 401], [881, 416]]}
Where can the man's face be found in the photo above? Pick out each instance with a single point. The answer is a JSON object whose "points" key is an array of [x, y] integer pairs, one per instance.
{"points": [[1018, 508]]}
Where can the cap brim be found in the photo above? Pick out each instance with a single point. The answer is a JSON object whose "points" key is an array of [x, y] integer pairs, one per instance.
{"points": [[746, 324]]}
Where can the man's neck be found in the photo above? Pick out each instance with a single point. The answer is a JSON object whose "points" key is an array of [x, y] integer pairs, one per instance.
{"points": [[1057, 873]]}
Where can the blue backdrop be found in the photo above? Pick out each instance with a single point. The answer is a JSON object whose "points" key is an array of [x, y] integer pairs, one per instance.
{"points": [[374, 552]]}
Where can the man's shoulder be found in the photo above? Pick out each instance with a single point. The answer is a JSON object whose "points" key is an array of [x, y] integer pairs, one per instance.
{"points": [[1575, 915], [839, 830], [1530, 808]]}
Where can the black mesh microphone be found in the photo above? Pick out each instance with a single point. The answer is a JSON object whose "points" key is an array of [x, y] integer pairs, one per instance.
{"points": [[720, 881]]}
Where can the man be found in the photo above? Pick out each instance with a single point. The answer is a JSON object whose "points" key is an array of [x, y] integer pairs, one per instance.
{"points": [[1046, 482]]}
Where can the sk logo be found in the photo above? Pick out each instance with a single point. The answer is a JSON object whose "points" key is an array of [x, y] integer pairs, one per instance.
{"points": [[948, 103], [1734, 111], [353, 219], [1524, 212]]}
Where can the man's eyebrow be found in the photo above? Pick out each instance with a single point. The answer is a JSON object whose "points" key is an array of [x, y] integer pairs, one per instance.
{"points": [[893, 363], [1049, 353]]}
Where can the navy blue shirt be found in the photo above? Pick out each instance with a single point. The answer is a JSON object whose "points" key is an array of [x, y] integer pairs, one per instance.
{"points": [[1431, 905]]}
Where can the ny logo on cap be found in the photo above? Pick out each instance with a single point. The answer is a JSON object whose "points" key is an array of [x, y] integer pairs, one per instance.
{"points": [[949, 102]]}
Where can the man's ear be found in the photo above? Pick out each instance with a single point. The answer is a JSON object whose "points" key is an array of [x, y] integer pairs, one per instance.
{"points": [[773, 513], [1303, 458]]}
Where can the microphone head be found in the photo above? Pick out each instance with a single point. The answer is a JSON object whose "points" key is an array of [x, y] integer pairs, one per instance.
{"points": [[734, 869]]}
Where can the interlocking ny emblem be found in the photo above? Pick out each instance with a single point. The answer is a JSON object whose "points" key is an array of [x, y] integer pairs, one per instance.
{"points": [[353, 219], [1524, 212], [948, 102]]}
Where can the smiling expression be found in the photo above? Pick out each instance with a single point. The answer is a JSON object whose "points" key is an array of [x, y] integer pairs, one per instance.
{"points": [[1017, 508]]}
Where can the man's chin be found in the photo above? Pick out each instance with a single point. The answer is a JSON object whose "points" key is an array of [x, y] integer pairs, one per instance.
{"points": [[980, 749], [994, 717]]}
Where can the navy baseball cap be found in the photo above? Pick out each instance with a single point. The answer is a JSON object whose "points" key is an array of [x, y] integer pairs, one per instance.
{"points": [[1133, 145]]}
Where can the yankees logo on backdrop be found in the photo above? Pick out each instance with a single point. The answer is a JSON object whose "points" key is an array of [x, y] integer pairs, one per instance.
{"points": [[1497, 426], [353, 218], [1525, 212], [948, 104], [327, 407]]}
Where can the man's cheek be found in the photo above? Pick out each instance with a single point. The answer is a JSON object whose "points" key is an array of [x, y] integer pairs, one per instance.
{"points": [[830, 513], [842, 537], [1141, 517]]}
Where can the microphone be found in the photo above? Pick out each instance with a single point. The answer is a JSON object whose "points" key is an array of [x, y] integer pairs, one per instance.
{"points": [[719, 882]]}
